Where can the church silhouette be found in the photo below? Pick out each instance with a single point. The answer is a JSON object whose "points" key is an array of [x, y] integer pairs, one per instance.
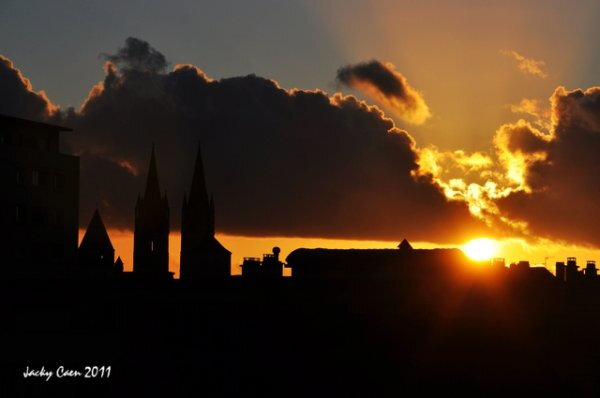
{"points": [[202, 255]]}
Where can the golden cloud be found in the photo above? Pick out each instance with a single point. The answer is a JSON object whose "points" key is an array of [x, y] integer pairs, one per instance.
{"points": [[527, 65]]}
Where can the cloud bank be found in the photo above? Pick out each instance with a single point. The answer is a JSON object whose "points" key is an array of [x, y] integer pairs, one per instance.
{"points": [[561, 170], [304, 163], [279, 162]]}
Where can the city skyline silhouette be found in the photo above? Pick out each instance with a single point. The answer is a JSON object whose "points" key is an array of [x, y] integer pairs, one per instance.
{"points": [[299, 199], [446, 303]]}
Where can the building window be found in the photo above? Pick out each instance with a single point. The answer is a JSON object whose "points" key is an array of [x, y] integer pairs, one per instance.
{"points": [[35, 178], [151, 245]]}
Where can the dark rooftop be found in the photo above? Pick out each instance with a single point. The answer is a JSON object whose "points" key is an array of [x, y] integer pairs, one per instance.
{"points": [[7, 120]]}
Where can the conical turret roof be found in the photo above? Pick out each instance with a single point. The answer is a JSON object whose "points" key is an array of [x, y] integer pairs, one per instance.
{"points": [[96, 234], [404, 245]]}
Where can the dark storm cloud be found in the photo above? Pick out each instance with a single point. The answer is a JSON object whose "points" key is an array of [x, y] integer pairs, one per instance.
{"points": [[279, 162], [138, 55], [565, 194], [17, 97], [378, 75], [387, 85]]}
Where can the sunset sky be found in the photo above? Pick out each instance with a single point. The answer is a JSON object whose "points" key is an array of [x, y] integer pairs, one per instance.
{"points": [[327, 123]]}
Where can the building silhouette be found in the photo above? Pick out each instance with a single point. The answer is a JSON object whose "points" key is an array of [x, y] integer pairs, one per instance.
{"points": [[571, 270], [251, 268], [536, 275], [521, 266], [270, 267], [40, 197], [560, 271], [338, 264], [202, 255], [151, 230], [590, 272], [570, 273], [96, 252], [498, 263]]}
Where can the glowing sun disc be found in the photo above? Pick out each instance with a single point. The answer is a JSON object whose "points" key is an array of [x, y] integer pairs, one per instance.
{"points": [[480, 249]]}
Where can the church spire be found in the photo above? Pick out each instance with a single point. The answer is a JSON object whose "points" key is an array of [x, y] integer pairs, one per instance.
{"points": [[198, 191], [202, 256], [152, 187]]}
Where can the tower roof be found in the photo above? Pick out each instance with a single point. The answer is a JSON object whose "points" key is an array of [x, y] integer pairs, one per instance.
{"points": [[404, 245], [152, 186], [198, 191], [96, 235]]}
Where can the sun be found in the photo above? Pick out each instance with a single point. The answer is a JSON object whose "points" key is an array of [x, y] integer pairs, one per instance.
{"points": [[481, 249]]}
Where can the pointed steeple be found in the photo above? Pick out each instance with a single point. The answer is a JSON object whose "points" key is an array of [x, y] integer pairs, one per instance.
{"points": [[96, 235], [152, 187], [198, 192]]}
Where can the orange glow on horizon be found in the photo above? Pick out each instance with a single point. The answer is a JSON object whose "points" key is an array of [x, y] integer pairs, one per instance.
{"points": [[543, 253], [243, 246]]}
